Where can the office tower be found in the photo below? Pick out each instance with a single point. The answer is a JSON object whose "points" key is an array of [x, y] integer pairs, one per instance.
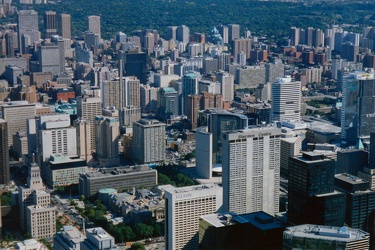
{"points": [[309, 36], [189, 87], [148, 141], [183, 34], [148, 98], [11, 40], [37, 216], [286, 100], [83, 139], [65, 30], [349, 51], [93, 25], [317, 38], [309, 236], [88, 108], [167, 103], [294, 34], [229, 230], [226, 85], [372, 150], [241, 45], [359, 202], [357, 118], [128, 115], [50, 24], [274, 70], [251, 170], [136, 65], [55, 135], [27, 21], [148, 43], [49, 59], [311, 194], [223, 31], [351, 161], [171, 32], [84, 54], [16, 114], [233, 32], [290, 146], [4, 154], [107, 131], [248, 76], [203, 152], [98, 239], [120, 37], [183, 208]]}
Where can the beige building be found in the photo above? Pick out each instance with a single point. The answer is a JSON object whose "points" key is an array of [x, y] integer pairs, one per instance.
{"points": [[83, 134]]}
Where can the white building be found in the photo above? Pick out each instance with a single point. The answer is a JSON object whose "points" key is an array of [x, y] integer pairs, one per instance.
{"points": [[251, 170], [184, 206], [286, 100], [148, 141], [203, 153]]}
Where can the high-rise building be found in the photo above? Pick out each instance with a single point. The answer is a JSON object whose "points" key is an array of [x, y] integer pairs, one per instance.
{"points": [[83, 139], [55, 135], [359, 202], [98, 239], [286, 100], [309, 236], [49, 59], [274, 70], [229, 230], [357, 119], [223, 31], [171, 32], [149, 98], [294, 34], [65, 30], [233, 32], [311, 194], [136, 65], [251, 170], [27, 21], [189, 87], [351, 161], [107, 130], [37, 216], [167, 103], [4, 153], [88, 108], [183, 208], [290, 146], [183, 34], [226, 85], [148, 141], [16, 114], [50, 24], [93, 25], [241, 45]]}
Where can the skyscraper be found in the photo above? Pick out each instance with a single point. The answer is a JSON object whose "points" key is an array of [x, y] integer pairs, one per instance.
{"points": [[251, 170], [171, 32], [357, 119], [294, 34], [107, 131], [286, 100], [27, 21], [88, 108], [16, 114], [233, 32], [65, 30], [83, 139], [50, 24], [311, 195], [148, 141], [183, 208], [226, 85], [167, 103], [189, 87], [241, 45], [183, 34], [93, 25], [4, 153]]}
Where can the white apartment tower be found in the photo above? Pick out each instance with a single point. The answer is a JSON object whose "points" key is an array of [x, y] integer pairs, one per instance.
{"points": [[183, 208], [251, 170], [286, 100]]}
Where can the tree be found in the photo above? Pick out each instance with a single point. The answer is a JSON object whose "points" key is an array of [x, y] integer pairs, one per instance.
{"points": [[137, 246], [82, 198], [143, 231]]}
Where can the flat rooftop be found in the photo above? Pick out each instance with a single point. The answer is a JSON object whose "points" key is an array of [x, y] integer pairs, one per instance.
{"points": [[343, 234], [260, 220], [101, 172]]}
